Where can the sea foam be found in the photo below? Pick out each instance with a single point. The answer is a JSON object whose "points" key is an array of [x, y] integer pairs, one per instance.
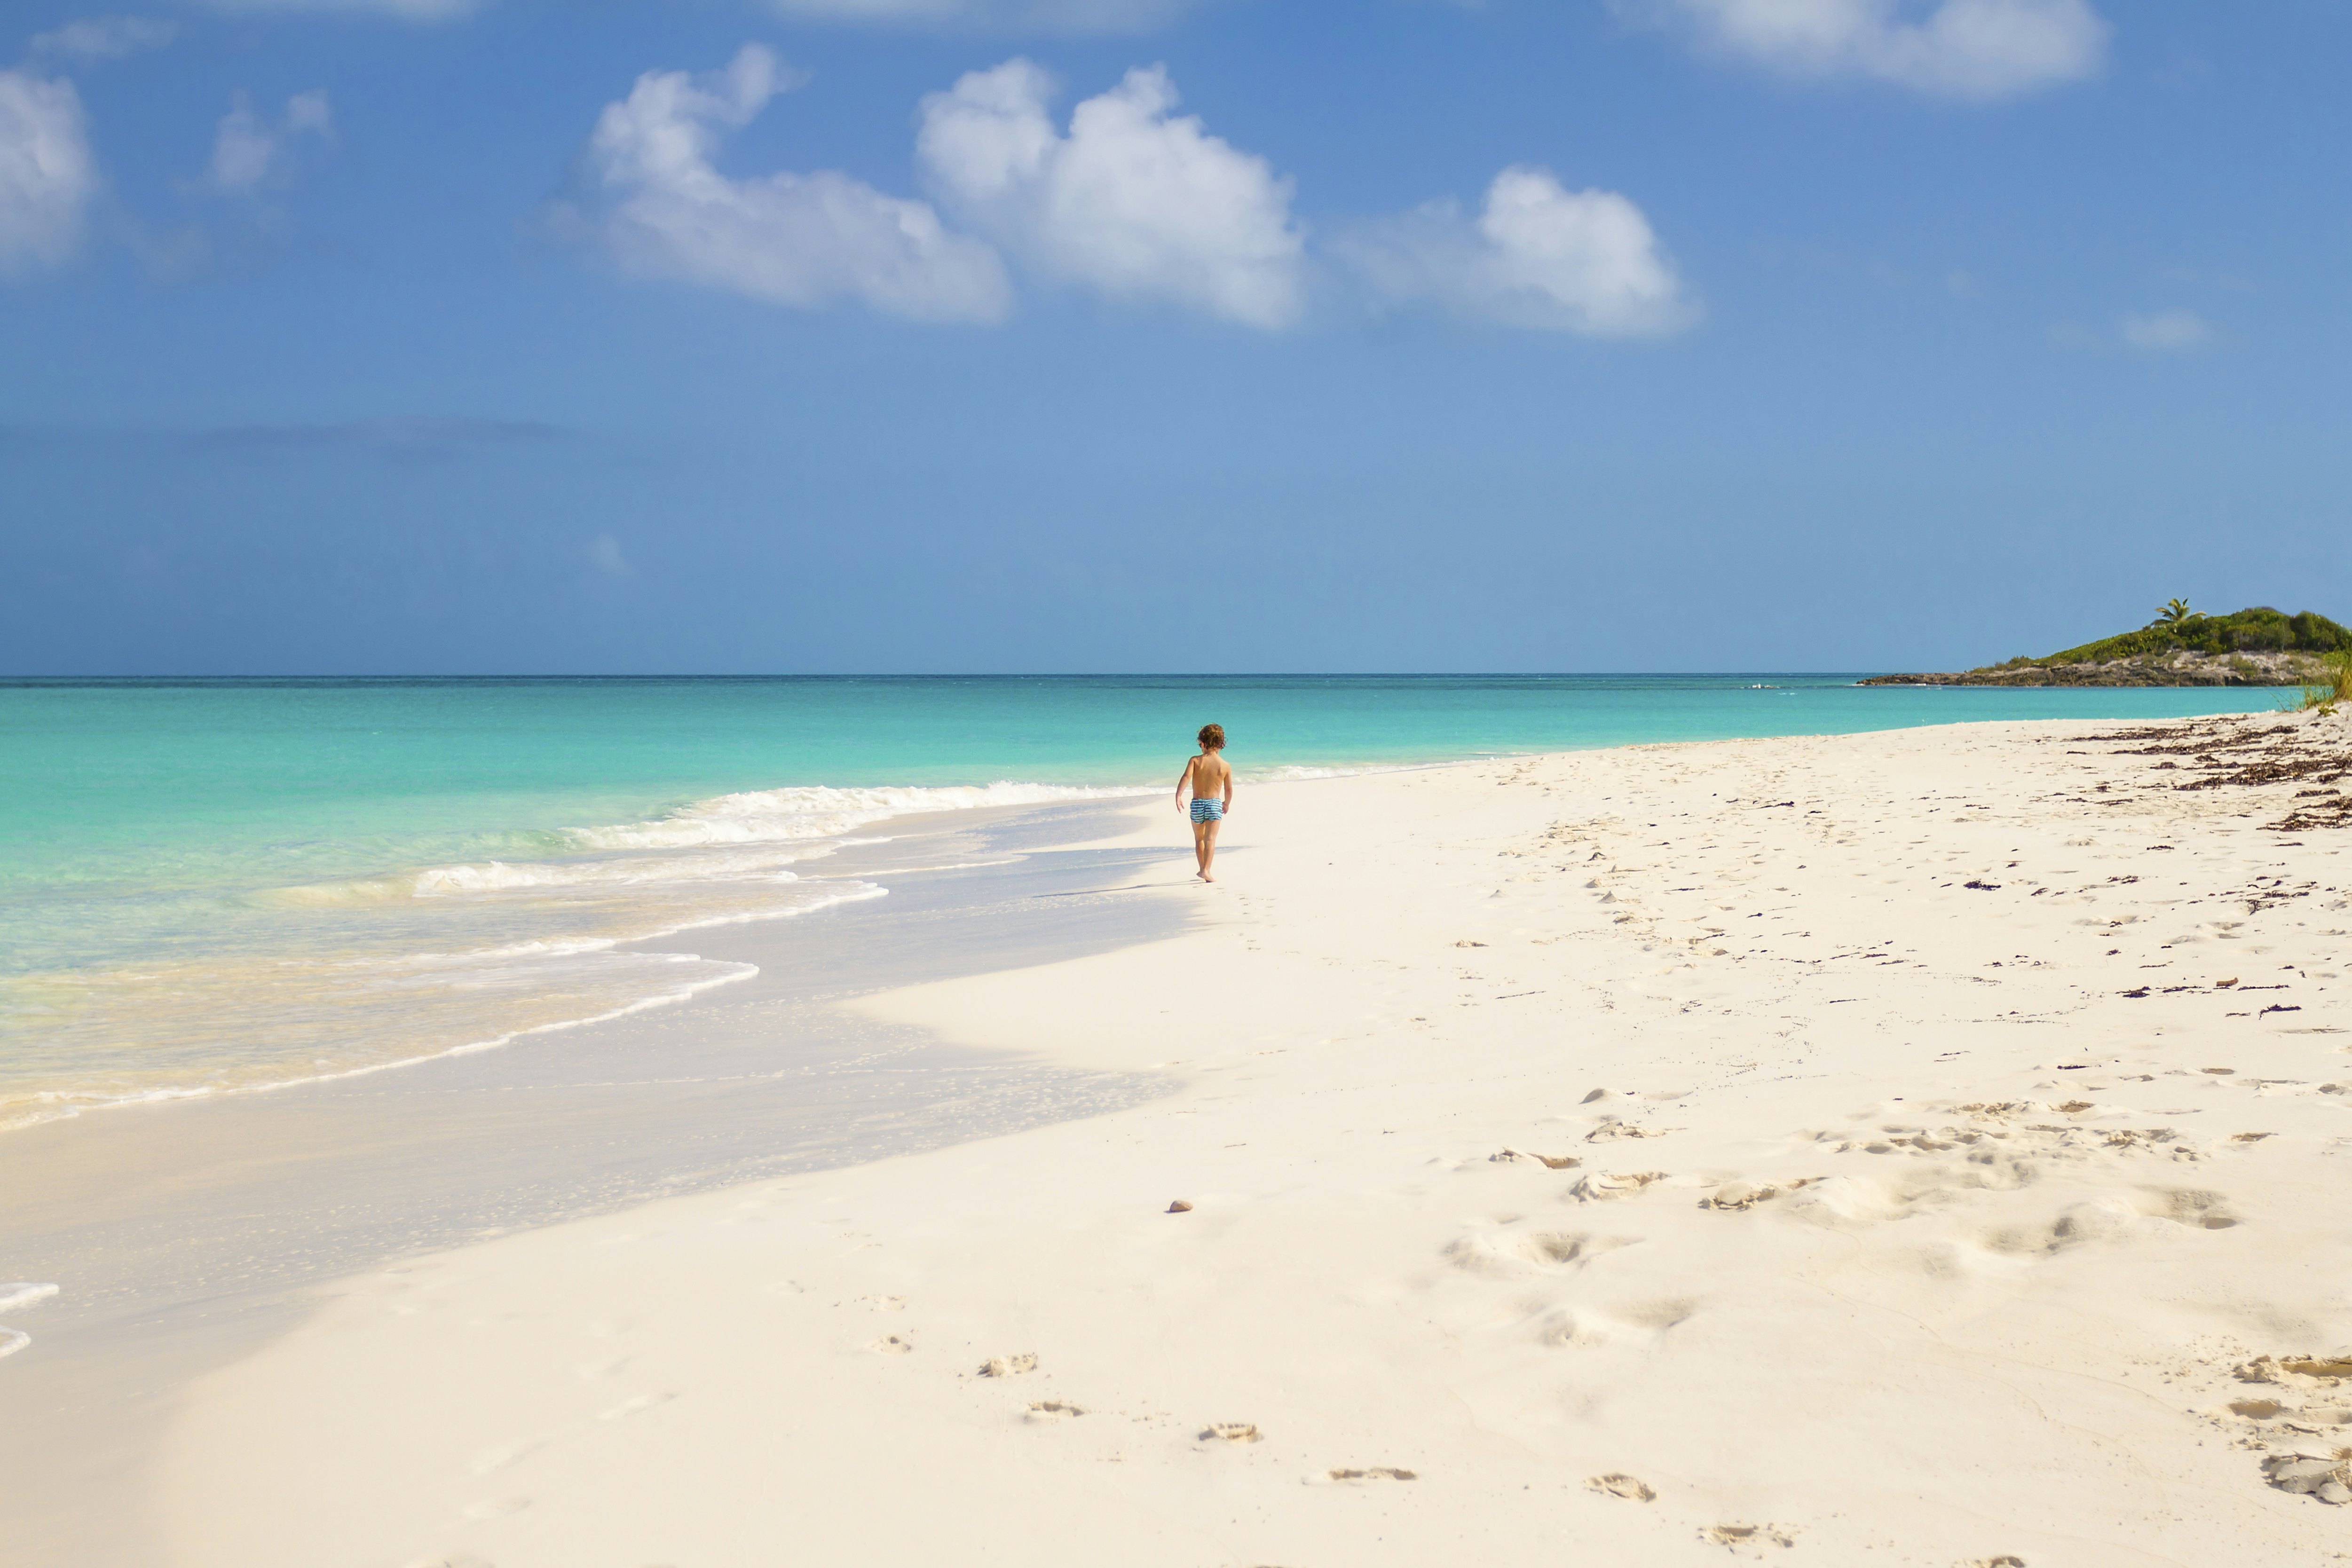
{"points": [[820, 811], [16, 1299], [399, 967]]}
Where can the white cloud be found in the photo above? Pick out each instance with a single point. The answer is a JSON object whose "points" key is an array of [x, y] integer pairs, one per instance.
{"points": [[662, 210], [248, 151], [88, 40], [2158, 332], [1129, 201], [1954, 49], [2166, 332], [1132, 201], [406, 10], [1037, 16], [1538, 256], [1048, 15], [48, 173]]}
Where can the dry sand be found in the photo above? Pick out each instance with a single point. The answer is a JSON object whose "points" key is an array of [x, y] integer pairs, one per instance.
{"points": [[1839, 1151]]}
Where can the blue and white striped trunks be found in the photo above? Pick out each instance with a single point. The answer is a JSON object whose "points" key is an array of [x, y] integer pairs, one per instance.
{"points": [[1208, 810]]}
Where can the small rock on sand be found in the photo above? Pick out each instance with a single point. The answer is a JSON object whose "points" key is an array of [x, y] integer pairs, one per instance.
{"points": [[1179, 1207]]}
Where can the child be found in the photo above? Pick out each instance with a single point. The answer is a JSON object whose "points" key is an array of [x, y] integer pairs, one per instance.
{"points": [[1210, 777]]}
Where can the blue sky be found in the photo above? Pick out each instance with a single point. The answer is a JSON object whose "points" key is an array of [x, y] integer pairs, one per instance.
{"points": [[975, 335]]}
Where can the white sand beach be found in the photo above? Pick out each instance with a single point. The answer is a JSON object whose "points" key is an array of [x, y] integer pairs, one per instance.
{"points": [[1919, 1147]]}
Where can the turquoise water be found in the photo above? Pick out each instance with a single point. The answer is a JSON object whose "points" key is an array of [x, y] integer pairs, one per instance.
{"points": [[216, 884]]}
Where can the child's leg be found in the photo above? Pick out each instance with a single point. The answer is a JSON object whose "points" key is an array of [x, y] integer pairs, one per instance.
{"points": [[1208, 849], [1200, 831]]}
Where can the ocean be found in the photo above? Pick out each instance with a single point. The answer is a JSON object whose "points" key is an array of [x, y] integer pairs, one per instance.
{"points": [[218, 885]]}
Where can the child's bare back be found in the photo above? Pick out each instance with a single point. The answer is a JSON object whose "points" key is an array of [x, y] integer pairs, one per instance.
{"points": [[1208, 773]]}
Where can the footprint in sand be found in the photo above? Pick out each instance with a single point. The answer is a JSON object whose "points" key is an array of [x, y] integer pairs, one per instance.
{"points": [[1374, 1473], [494, 1507], [1008, 1365], [2004, 1561], [1567, 1330], [1618, 1484], [2322, 1471], [2321, 1421], [1660, 1314], [1611, 1128], [1510, 1255], [1738, 1535], [1737, 1195], [1052, 1410], [1549, 1162], [892, 1344], [1230, 1432], [1598, 1187], [2113, 1219], [2296, 1371], [491, 1461], [1573, 1329], [2189, 1206]]}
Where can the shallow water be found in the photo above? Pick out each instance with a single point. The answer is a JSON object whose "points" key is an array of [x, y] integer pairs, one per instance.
{"points": [[171, 1239], [216, 885]]}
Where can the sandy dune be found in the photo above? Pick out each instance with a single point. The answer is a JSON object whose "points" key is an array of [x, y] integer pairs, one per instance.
{"points": [[1927, 1147]]}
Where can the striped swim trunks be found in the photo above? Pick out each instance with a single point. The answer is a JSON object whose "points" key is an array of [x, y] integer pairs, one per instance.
{"points": [[1210, 809]]}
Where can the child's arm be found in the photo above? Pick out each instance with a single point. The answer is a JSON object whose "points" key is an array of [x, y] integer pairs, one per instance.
{"points": [[1228, 784], [1182, 780]]}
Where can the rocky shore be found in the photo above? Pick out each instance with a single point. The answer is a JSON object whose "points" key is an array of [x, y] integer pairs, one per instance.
{"points": [[2182, 668]]}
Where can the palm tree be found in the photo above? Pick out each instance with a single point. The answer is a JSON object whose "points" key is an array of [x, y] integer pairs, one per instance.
{"points": [[2176, 614]]}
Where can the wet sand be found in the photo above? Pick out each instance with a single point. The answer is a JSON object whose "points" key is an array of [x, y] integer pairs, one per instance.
{"points": [[185, 1235]]}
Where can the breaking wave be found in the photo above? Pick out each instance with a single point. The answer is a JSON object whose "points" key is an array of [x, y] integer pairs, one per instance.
{"points": [[819, 811]]}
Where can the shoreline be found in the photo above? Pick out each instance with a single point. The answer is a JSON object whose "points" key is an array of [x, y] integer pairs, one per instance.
{"points": [[185, 1235], [30, 1107], [116, 1005], [168, 1096], [1801, 1099]]}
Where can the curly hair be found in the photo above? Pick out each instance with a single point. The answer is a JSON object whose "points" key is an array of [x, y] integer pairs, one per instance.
{"points": [[1213, 737]]}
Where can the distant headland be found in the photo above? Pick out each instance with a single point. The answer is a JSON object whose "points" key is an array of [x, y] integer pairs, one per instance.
{"points": [[2181, 647]]}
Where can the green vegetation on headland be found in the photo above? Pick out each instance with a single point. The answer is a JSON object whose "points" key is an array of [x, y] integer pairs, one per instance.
{"points": [[2255, 647]]}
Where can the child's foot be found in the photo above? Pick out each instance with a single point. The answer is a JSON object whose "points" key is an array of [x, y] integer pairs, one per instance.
{"points": [[1206, 877]]}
